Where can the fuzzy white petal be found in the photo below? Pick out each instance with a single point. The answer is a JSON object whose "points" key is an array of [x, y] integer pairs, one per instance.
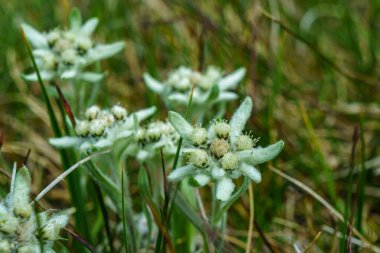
{"points": [[69, 74], [65, 142], [251, 172], [180, 173], [145, 113], [91, 77], [240, 118], [101, 52], [260, 155], [181, 125], [89, 27], [35, 38], [227, 96], [231, 81], [201, 179], [153, 84], [45, 75], [217, 173], [224, 189], [179, 98]]}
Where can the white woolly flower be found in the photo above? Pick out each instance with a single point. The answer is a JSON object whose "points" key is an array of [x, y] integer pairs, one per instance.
{"points": [[210, 87], [228, 154], [150, 138], [19, 225], [103, 128], [64, 54]]}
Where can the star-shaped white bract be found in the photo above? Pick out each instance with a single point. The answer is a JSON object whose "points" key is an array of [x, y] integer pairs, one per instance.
{"points": [[211, 87], [221, 153], [64, 54], [104, 128], [19, 227]]}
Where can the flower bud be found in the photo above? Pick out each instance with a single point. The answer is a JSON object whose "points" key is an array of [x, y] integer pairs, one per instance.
{"points": [[229, 161], [53, 37], [108, 118], [199, 136], [199, 158], [219, 147], [5, 246], [119, 112], [92, 112], [244, 142], [81, 128], [69, 56], [222, 129], [97, 127], [8, 223]]}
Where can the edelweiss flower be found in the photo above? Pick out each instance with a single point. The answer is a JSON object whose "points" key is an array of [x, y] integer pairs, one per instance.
{"points": [[63, 54], [103, 128], [210, 87], [19, 227], [150, 138], [221, 153]]}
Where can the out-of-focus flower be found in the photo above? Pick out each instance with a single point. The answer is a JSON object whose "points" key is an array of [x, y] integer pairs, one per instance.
{"points": [[210, 87], [103, 128], [223, 154], [149, 139], [65, 53], [21, 229]]}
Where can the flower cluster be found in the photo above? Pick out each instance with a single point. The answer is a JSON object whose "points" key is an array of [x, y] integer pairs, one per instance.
{"points": [[151, 137], [221, 153], [210, 87], [64, 53], [21, 229], [102, 128]]}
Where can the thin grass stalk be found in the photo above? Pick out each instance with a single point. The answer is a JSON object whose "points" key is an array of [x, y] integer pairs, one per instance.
{"points": [[125, 231], [362, 178], [251, 218], [105, 216]]}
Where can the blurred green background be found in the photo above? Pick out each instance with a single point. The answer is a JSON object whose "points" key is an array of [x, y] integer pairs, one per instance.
{"points": [[313, 72]]}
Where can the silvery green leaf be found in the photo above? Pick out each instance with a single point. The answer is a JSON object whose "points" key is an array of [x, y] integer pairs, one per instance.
{"points": [[45, 75], [91, 77], [180, 173], [69, 74], [224, 189], [260, 155], [103, 143], [201, 179], [179, 98], [240, 117], [66, 142], [251, 172], [89, 27], [153, 84], [227, 96], [145, 113], [101, 52], [37, 39], [75, 19], [20, 195], [181, 125], [231, 81]]}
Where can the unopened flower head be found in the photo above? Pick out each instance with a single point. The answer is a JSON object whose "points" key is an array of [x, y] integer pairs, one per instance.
{"points": [[101, 128], [152, 137], [64, 53], [229, 153], [19, 226]]}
